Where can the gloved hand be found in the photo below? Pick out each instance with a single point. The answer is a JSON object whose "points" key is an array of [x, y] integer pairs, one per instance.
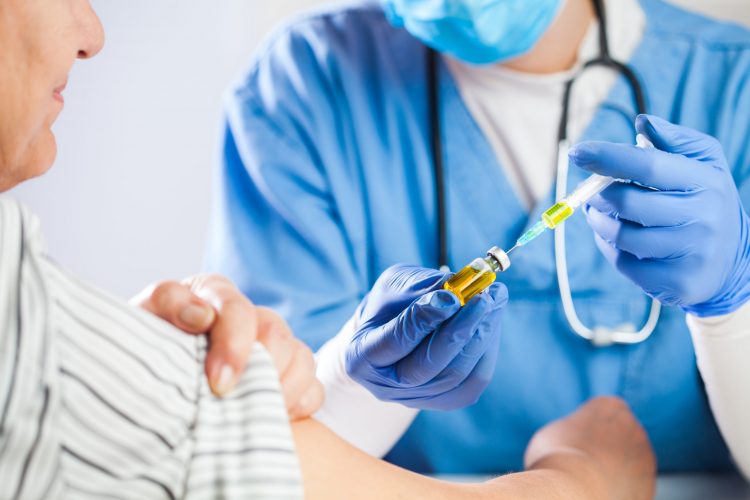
{"points": [[415, 345], [679, 230]]}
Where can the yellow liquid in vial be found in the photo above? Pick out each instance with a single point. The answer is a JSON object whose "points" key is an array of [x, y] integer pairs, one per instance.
{"points": [[556, 215], [470, 281]]}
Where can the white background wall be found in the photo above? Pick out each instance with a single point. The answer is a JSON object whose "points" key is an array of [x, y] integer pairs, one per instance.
{"points": [[127, 202]]}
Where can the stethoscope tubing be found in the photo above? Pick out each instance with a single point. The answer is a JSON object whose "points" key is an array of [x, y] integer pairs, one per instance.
{"points": [[600, 336]]}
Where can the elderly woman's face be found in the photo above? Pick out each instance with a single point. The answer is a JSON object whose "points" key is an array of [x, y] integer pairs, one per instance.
{"points": [[39, 42]]}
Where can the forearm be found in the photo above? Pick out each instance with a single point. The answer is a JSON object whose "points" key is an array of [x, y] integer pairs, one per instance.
{"points": [[333, 469], [721, 347]]}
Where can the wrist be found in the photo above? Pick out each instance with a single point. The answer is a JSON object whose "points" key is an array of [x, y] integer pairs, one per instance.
{"points": [[735, 293], [350, 410], [733, 297], [720, 326]]}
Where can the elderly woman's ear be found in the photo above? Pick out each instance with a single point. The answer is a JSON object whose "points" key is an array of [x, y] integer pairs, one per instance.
{"points": [[39, 42]]}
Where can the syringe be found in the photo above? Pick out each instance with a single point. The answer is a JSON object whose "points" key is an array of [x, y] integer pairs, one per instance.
{"points": [[481, 273], [563, 209]]}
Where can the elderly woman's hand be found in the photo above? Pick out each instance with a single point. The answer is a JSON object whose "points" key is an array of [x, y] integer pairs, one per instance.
{"points": [[211, 304]]}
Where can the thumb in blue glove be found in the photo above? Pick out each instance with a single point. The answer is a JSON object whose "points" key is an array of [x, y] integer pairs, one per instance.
{"points": [[679, 229], [414, 344]]}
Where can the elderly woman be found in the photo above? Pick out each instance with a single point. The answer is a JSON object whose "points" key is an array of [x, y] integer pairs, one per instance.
{"points": [[99, 399]]}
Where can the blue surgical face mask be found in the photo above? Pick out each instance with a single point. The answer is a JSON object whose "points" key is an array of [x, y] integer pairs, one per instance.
{"points": [[475, 31]]}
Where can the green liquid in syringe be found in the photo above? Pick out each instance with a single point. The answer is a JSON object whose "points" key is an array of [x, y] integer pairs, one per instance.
{"points": [[550, 220]]}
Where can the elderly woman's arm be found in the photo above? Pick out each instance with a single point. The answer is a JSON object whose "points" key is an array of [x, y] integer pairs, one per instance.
{"points": [[598, 452]]}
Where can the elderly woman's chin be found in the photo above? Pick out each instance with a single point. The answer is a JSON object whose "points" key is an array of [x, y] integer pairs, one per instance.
{"points": [[31, 161]]}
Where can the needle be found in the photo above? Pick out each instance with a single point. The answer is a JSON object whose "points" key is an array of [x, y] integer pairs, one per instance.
{"points": [[514, 247]]}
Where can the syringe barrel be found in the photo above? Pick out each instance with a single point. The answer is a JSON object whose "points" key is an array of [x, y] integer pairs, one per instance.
{"points": [[587, 189], [598, 183]]}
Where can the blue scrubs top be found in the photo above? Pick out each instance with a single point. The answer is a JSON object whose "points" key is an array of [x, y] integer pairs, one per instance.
{"points": [[325, 180]]}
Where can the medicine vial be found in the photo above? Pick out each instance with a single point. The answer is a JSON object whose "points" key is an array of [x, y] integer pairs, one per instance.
{"points": [[477, 276]]}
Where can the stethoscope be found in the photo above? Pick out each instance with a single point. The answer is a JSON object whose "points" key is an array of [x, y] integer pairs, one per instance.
{"points": [[598, 335]]}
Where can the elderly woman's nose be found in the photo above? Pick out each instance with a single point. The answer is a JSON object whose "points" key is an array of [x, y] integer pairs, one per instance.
{"points": [[92, 32]]}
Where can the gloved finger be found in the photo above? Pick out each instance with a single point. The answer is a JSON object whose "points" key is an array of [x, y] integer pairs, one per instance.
{"points": [[410, 279], [645, 206], [647, 167], [453, 375], [487, 334], [679, 140], [389, 343], [395, 290], [644, 242], [485, 339], [469, 390], [438, 351], [651, 275]]}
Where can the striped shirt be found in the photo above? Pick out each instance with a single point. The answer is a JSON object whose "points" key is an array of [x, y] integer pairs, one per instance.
{"points": [[102, 400]]}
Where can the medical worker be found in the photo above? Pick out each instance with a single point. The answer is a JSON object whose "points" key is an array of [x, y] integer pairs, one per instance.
{"points": [[327, 180]]}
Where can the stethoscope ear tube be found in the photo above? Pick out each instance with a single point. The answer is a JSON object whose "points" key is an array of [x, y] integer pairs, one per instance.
{"points": [[600, 336]]}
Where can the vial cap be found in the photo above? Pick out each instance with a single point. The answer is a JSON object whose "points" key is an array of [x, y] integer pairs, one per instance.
{"points": [[500, 257]]}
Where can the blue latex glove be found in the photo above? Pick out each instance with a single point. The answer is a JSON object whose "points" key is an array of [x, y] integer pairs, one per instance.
{"points": [[679, 231], [415, 345]]}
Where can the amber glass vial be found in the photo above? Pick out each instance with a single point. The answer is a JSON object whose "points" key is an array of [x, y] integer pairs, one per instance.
{"points": [[477, 276]]}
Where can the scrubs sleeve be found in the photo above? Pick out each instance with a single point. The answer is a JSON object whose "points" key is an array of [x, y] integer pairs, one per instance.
{"points": [[277, 229]]}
